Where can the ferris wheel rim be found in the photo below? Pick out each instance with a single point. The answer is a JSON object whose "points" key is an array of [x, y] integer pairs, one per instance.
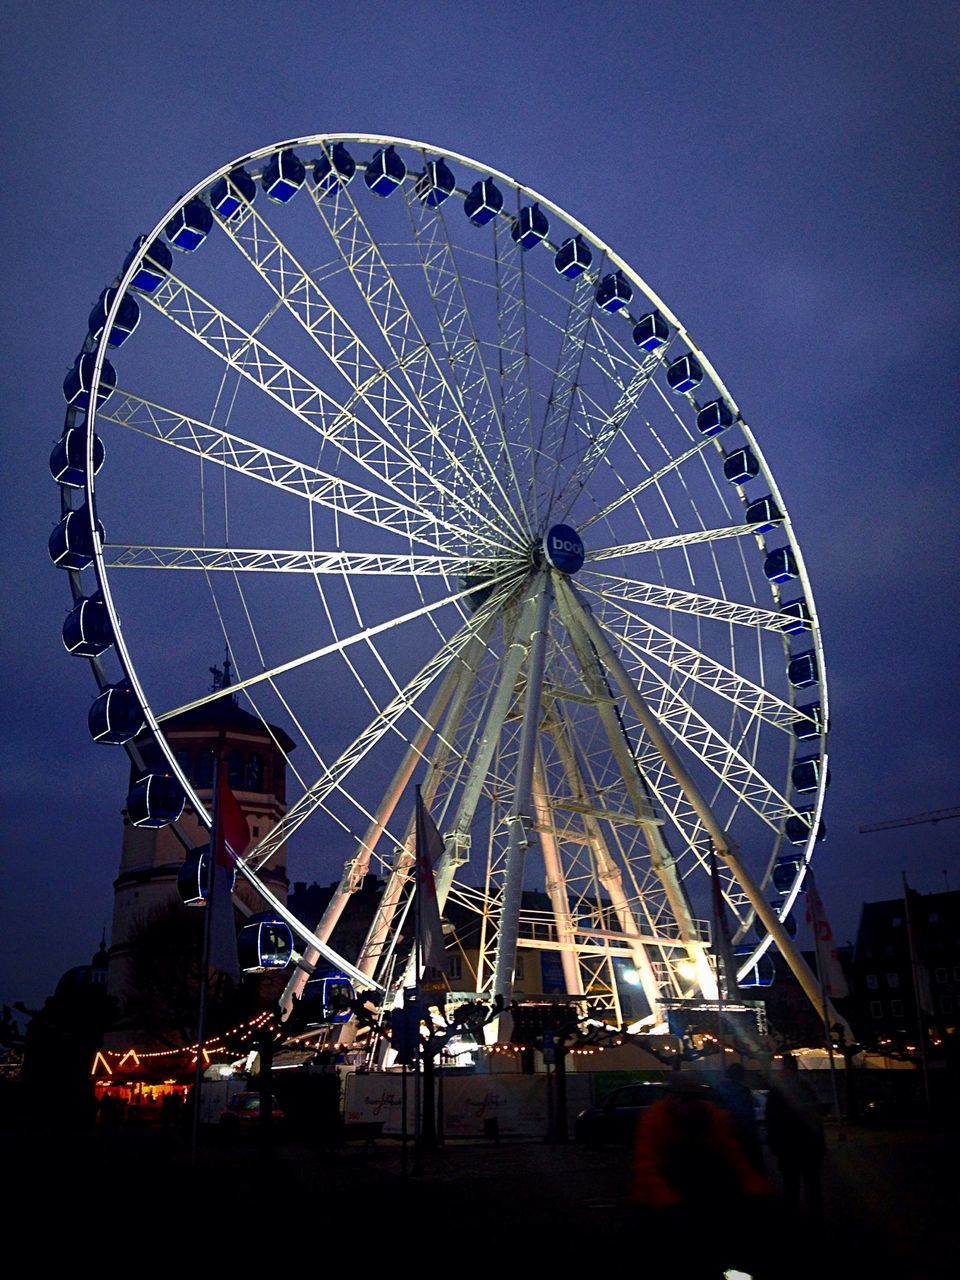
{"points": [[129, 667]]}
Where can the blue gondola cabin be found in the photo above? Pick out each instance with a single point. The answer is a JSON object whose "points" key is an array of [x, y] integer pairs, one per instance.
{"points": [[714, 417], [780, 565], [78, 383], [154, 265], [126, 321], [68, 460], [796, 614], [614, 293], [86, 630], [530, 227], [71, 544], [764, 513], [484, 202], [435, 184], [265, 943], [156, 800], [335, 167], [190, 225], [385, 172], [651, 332], [283, 177], [802, 670], [116, 715], [572, 258], [740, 466], [229, 193], [684, 374]]}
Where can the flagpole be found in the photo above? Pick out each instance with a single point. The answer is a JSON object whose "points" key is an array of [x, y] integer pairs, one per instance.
{"points": [[827, 1033], [721, 960], [205, 961], [916, 990], [417, 965]]}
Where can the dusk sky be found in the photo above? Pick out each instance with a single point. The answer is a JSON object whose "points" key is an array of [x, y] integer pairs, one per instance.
{"points": [[784, 175]]}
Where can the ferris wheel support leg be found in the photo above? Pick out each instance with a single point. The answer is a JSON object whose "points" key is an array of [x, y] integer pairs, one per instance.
{"points": [[519, 817], [577, 621], [725, 848], [356, 868], [556, 883], [462, 679], [516, 647], [607, 871]]}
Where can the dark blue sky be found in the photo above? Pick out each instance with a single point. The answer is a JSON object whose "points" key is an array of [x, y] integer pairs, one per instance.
{"points": [[784, 175]]}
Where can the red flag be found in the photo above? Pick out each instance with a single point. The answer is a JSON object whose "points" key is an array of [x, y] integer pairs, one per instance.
{"points": [[230, 838], [831, 971], [429, 852]]}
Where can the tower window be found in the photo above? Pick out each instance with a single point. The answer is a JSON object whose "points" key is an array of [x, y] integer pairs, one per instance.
{"points": [[254, 771], [203, 768], [235, 770]]}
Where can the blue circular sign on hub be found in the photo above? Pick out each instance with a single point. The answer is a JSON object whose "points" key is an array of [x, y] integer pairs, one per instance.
{"points": [[563, 548]]}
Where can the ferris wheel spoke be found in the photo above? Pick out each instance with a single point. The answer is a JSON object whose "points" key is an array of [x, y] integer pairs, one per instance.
{"points": [[419, 416], [610, 587], [653, 478], [389, 460], [335, 646], [672, 540], [601, 430], [334, 776], [250, 560], [468, 371], [513, 355], [563, 397], [679, 717], [247, 458], [643, 636], [460, 673]]}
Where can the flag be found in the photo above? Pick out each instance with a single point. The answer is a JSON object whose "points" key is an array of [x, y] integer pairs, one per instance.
{"points": [[231, 835], [832, 978], [429, 851], [722, 945], [921, 970]]}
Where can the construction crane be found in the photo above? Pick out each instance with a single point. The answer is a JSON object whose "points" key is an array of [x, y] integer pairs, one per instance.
{"points": [[933, 817]]}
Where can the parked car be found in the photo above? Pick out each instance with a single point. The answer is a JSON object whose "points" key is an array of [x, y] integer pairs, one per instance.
{"points": [[614, 1120], [242, 1112]]}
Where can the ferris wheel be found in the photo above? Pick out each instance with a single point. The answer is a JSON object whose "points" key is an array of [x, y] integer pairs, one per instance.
{"points": [[470, 509]]}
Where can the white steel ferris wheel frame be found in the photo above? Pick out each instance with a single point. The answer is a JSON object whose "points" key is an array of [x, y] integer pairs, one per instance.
{"points": [[531, 601]]}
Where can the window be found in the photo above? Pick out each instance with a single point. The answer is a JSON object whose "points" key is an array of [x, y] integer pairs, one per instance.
{"points": [[941, 975], [454, 965], [933, 917], [896, 1008], [235, 770], [183, 757], [254, 771], [518, 968], [203, 768], [872, 983], [876, 1009], [893, 980], [896, 922]]}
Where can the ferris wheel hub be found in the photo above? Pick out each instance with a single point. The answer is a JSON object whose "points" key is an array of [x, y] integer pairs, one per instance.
{"points": [[563, 548]]}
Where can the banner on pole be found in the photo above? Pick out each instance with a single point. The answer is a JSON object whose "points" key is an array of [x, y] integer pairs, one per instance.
{"points": [[831, 971]]}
